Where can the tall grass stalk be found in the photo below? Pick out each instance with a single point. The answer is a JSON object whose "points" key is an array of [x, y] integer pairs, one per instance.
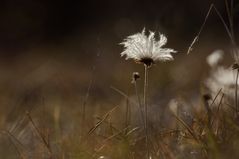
{"points": [[43, 138], [236, 92], [139, 102], [127, 114], [230, 14], [146, 109], [83, 111], [85, 102], [228, 30]]}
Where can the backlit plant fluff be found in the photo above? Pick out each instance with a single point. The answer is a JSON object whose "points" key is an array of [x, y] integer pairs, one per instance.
{"points": [[146, 49]]}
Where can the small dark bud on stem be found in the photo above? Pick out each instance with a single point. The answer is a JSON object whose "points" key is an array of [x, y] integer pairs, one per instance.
{"points": [[135, 77], [207, 97], [235, 66]]}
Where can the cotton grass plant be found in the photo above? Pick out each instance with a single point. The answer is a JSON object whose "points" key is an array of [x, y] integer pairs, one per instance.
{"points": [[146, 50], [193, 129]]}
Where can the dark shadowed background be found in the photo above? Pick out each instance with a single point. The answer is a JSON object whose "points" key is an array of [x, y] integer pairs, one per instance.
{"points": [[41, 23]]}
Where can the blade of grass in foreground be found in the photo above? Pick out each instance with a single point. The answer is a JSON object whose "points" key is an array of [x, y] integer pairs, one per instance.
{"points": [[101, 121], [191, 132]]}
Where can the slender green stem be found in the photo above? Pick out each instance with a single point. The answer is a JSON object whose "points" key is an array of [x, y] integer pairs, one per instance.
{"points": [[146, 109]]}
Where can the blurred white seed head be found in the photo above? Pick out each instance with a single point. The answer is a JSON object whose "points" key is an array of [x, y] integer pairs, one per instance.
{"points": [[146, 49], [222, 78], [215, 57]]}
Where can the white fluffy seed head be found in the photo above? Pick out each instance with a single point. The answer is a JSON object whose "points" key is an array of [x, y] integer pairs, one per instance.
{"points": [[146, 49]]}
